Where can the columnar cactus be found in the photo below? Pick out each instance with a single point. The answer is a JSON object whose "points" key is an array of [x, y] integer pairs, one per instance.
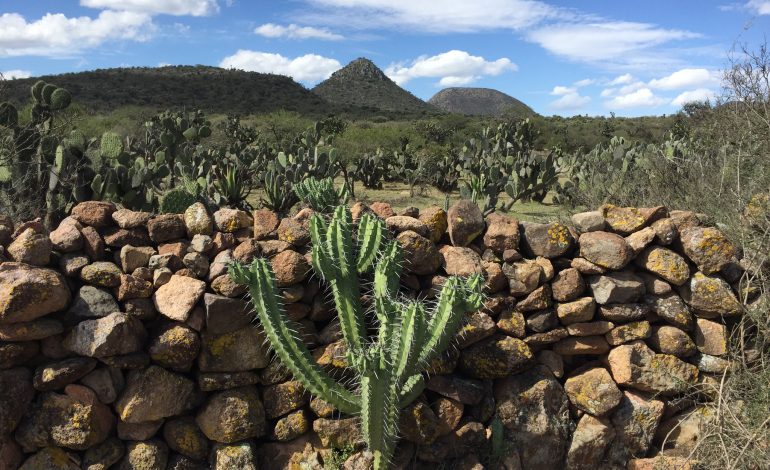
{"points": [[320, 194], [389, 366]]}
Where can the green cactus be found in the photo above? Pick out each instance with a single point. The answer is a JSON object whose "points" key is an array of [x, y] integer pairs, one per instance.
{"points": [[111, 146], [320, 195], [47, 93], [60, 99], [37, 91], [176, 201], [389, 366], [9, 115]]}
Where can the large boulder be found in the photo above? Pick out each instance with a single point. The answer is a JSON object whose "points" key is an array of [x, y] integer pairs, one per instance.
{"points": [[27, 293]]}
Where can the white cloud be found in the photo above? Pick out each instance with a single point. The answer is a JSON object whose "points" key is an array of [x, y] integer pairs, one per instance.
{"points": [[293, 31], [309, 68], [157, 7], [571, 100], [607, 92], [452, 67], [700, 94], [760, 7], [13, 74], [643, 97], [584, 82], [446, 16], [56, 35], [563, 90], [621, 79], [685, 78], [618, 41]]}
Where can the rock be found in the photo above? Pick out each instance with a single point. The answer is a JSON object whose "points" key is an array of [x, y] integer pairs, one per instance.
{"points": [[460, 261], [16, 395], [623, 313], [241, 350], [27, 293], [538, 299], [568, 285], [145, 455], [629, 332], [133, 257], [462, 442], [585, 345], [665, 263], [154, 393], [118, 238], [419, 424], [495, 358], [512, 323], [175, 347], [638, 241], [165, 227], [534, 409], [547, 240], [435, 219], [241, 456], [710, 296], [590, 441], [97, 214], [636, 366], [671, 340], [581, 310], [225, 315], [138, 431], [51, 458], [710, 337], [75, 420], [93, 302], [177, 298], [30, 247], [293, 231], [538, 340], [588, 221], [57, 375], [586, 267], [30, 331], [67, 238], [478, 326], [283, 398], [143, 309], [623, 220], [593, 391], [590, 328], [133, 288], [605, 249], [618, 287], [16, 354], [660, 462], [102, 274], [231, 220], [383, 210], [420, 254], [289, 267], [265, 223], [129, 219], [291, 426], [402, 223], [105, 382], [672, 308], [465, 222], [465, 391], [115, 334], [183, 435], [93, 244], [198, 221], [201, 243], [449, 413], [233, 415], [635, 421], [71, 264], [104, 455], [523, 276], [708, 248], [339, 433], [502, 233]]}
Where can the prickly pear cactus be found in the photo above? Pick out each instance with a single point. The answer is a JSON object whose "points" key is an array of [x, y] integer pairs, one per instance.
{"points": [[176, 201]]}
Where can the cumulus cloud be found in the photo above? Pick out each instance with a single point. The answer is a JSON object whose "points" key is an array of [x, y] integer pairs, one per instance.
{"points": [[643, 97], [157, 7], [293, 31], [584, 82], [13, 74], [452, 68], [569, 98], [624, 79], [308, 68], [56, 34], [685, 78], [760, 7], [700, 94], [603, 41], [563, 90]]}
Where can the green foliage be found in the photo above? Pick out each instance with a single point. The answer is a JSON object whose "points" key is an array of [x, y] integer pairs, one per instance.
{"points": [[320, 195], [370, 169], [389, 366], [176, 201], [60, 98], [9, 115]]}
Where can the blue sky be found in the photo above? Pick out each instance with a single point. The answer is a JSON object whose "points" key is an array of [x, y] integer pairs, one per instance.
{"points": [[560, 57]]}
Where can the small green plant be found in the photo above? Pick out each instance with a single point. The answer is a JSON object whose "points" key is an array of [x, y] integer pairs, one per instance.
{"points": [[388, 367], [176, 201], [320, 195]]}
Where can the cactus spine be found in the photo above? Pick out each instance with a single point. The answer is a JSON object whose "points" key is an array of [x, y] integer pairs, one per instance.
{"points": [[389, 366]]}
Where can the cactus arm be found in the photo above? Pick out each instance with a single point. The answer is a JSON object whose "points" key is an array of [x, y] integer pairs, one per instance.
{"points": [[379, 414], [408, 340], [410, 390], [285, 341], [370, 235], [321, 262], [388, 271]]}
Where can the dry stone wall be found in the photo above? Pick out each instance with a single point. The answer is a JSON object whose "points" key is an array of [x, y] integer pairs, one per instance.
{"points": [[124, 343]]}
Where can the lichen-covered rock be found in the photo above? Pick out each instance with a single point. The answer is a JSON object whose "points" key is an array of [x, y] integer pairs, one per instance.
{"points": [[512, 323], [496, 357], [546, 240], [133, 288], [154, 393], [51, 458], [581, 345], [30, 247], [129, 219], [435, 218], [618, 287], [294, 232], [145, 455], [402, 223], [420, 254], [183, 435], [113, 335], [667, 339], [198, 221], [538, 299], [104, 455], [265, 223], [338, 433], [16, 395], [638, 241], [102, 274], [581, 310], [465, 391], [283, 398], [175, 346], [97, 214], [635, 421], [605, 249], [593, 391], [291, 426], [623, 220], [590, 441], [672, 309], [57, 375], [240, 350], [710, 296], [460, 261], [27, 293], [178, 296], [502, 233], [710, 337], [166, 227], [466, 222], [534, 409], [419, 424], [665, 263], [636, 366], [629, 332], [231, 220], [567, 285], [30, 331], [523, 276], [233, 415], [592, 221], [708, 248]]}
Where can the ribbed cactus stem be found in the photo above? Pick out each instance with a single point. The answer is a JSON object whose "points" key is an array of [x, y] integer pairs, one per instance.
{"points": [[379, 412], [285, 340]]}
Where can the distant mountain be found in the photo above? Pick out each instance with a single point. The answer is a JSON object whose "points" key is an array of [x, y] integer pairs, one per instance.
{"points": [[479, 101], [212, 89], [363, 84]]}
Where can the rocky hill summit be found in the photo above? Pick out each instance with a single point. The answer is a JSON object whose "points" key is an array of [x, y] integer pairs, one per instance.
{"points": [[479, 101]]}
